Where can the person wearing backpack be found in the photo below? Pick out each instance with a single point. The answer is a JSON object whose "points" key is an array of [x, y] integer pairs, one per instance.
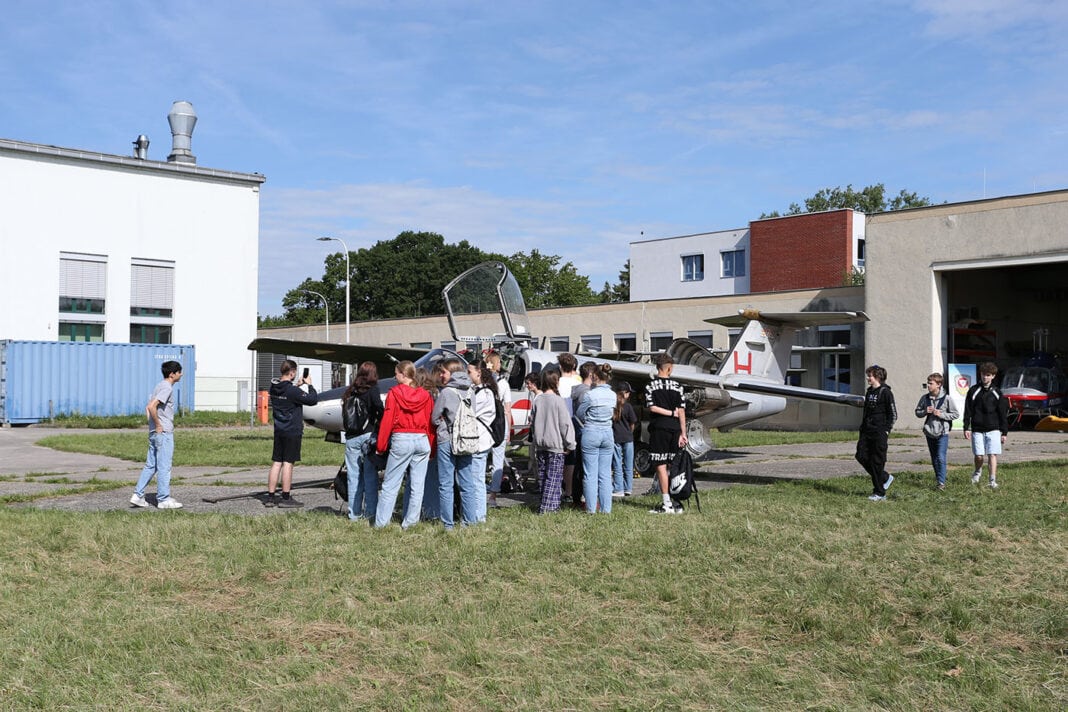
{"points": [[595, 413], [407, 434], [938, 412], [551, 436], [361, 413], [484, 404], [453, 467]]}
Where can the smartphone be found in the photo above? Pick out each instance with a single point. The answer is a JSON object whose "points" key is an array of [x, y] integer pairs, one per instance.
{"points": [[306, 372]]}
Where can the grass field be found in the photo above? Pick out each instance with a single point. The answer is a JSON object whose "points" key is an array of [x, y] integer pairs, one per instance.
{"points": [[800, 595]]}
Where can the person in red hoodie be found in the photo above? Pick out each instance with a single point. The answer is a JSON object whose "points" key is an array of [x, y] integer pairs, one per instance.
{"points": [[407, 434]]}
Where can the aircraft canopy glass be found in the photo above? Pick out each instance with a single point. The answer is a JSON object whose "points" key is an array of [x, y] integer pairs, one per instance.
{"points": [[488, 288]]}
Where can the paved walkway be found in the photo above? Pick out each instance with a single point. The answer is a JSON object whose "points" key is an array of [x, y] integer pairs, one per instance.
{"points": [[29, 469]]}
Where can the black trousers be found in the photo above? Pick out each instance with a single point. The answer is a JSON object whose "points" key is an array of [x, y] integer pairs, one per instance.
{"points": [[871, 454]]}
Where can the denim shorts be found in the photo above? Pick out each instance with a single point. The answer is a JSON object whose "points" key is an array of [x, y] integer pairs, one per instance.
{"points": [[988, 443]]}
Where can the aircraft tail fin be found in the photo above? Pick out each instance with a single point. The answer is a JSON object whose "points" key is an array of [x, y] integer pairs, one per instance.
{"points": [[764, 347]]}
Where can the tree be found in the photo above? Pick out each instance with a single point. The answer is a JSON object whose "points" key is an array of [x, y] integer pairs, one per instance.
{"points": [[620, 291], [544, 284], [871, 199]]}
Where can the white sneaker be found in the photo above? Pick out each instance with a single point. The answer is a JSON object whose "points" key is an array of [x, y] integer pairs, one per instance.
{"points": [[975, 476], [993, 484], [877, 498], [169, 503], [889, 481], [138, 501], [666, 509]]}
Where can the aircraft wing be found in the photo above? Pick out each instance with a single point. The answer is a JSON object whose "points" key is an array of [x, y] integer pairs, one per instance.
{"points": [[799, 320], [639, 374], [338, 353]]}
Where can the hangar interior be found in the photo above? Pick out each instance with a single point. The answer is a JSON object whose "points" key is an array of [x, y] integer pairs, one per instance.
{"points": [[1004, 313]]}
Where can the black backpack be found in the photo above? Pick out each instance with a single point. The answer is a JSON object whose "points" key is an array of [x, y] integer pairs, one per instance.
{"points": [[341, 485], [499, 427], [354, 414], [681, 483]]}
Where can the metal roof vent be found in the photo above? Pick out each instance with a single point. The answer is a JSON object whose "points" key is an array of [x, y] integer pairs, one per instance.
{"points": [[141, 147], [182, 119]]}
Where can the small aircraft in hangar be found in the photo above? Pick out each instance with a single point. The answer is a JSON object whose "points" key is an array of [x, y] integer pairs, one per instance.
{"points": [[747, 385]]}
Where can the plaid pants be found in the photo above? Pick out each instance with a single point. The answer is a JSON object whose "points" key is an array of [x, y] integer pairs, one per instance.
{"points": [[550, 477]]}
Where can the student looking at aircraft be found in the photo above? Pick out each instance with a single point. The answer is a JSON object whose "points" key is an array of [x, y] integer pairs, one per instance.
{"points": [[880, 412], [287, 405], [667, 427], [363, 475], [429, 382], [406, 432], [484, 404], [504, 393], [160, 412], [595, 413], [568, 380], [986, 413], [552, 435], [452, 468], [585, 373], [938, 412], [623, 421]]}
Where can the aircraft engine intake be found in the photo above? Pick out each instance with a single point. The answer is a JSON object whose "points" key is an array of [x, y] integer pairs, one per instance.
{"points": [[701, 401]]}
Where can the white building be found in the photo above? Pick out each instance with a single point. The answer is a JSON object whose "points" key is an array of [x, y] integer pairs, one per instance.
{"points": [[100, 247], [710, 264]]}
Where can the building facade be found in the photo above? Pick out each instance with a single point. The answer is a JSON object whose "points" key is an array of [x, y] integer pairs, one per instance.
{"points": [[108, 248]]}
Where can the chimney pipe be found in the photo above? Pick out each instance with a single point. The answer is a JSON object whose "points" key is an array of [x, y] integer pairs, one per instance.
{"points": [[141, 147], [182, 119]]}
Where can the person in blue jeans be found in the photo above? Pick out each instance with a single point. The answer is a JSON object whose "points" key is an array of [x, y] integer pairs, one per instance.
{"points": [[623, 421], [938, 411], [595, 413], [452, 468], [361, 420], [160, 412], [406, 431]]}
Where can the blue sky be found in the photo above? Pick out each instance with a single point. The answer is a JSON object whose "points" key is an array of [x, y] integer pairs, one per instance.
{"points": [[570, 127]]}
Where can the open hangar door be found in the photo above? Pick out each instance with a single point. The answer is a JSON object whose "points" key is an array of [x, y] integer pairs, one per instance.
{"points": [[1006, 314]]}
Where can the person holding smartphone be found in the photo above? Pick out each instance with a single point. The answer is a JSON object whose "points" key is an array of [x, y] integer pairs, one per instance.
{"points": [[288, 399]]}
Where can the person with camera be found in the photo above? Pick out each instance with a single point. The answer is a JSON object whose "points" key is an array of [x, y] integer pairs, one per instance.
{"points": [[287, 406]]}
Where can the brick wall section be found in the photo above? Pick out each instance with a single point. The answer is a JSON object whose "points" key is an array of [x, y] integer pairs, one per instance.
{"points": [[810, 251]]}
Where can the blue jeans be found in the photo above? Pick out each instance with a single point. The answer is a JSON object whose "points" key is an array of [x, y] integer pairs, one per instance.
{"points": [[623, 467], [472, 480], [939, 447], [431, 491], [408, 453], [158, 463], [363, 485], [449, 469], [597, 447]]}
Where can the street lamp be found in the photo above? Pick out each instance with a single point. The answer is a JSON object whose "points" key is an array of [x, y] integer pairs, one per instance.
{"points": [[348, 274], [325, 306]]}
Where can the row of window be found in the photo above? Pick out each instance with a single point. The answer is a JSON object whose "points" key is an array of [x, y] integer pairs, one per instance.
{"points": [[658, 341], [83, 291], [731, 264]]}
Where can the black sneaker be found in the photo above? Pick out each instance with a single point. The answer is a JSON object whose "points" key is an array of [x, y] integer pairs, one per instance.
{"points": [[290, 502], [271, 500]]}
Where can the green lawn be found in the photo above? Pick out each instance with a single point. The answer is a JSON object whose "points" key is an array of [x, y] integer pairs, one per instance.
{"points": [[800, 595]]}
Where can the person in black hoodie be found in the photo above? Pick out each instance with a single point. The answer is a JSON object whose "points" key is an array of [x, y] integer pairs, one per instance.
{"points": [[287, 404], [985, 419], [880, 412], [361, 408]]}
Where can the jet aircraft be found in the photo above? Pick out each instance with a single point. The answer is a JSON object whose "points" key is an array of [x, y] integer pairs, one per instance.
{"points": [[747, 385]]}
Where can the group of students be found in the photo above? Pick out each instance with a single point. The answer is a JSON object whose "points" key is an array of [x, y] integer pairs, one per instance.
{"points": [[581, 421], [985, 426], [412, 432]]}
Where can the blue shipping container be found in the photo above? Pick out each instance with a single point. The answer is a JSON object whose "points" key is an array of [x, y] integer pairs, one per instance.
{"points": [[41, 379]]}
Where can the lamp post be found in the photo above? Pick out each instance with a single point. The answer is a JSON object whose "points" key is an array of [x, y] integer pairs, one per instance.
{"points": [[348, 274], [326, 306]]}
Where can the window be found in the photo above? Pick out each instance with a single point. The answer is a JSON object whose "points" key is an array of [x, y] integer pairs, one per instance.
{"points": [[448, 345], [626, 342], [693, 268], [591, 342], [732, 338], [420, 345], [559, 343], [836, 373], [860, 252], [151, 301], [660, 340], [834, 335], [733, 263], [701, 338], [80, 331]]}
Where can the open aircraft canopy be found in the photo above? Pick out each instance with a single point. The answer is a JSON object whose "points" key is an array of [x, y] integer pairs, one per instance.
{"points": [[487, 288]]}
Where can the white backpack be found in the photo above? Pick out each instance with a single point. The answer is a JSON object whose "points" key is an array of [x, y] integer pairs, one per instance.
{"points": [[466, 428]]}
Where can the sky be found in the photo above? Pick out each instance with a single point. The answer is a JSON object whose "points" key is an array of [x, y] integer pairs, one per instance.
{"points": [[573, 128]]}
